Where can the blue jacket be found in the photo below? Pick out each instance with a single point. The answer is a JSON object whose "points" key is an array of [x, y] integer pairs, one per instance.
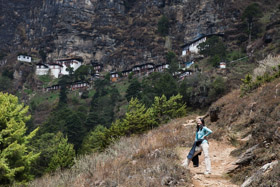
{"points": [[202, 133]]}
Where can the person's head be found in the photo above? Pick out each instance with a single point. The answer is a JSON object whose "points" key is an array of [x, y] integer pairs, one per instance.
{"points": [[200, 123]]}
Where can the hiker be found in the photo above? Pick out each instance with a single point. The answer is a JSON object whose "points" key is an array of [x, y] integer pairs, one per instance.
{"points": [[200, 144]]}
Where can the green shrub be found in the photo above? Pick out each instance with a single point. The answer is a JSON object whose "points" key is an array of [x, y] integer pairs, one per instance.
{"points": [[248, 84]]}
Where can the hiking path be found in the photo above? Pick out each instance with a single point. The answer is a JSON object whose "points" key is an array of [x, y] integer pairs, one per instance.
{"points": [[221, 161]]}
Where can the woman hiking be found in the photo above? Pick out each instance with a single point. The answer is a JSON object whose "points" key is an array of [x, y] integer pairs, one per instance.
{"points": [[200, 143]]}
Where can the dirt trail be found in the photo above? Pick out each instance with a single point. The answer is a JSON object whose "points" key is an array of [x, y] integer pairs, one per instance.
{"points": [[220, 160]]}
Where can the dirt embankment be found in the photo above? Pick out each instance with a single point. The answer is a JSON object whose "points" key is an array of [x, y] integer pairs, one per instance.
{"points": [[251, 123]]}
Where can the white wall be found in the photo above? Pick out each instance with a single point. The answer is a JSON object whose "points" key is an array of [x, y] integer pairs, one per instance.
{"points": [[75, 65], [41, 70], [193, 48], [55, 70], [184, 52], [24, 58]]}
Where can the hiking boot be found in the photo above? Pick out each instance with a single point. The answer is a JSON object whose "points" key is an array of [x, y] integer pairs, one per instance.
{"points": [[185, 163]]}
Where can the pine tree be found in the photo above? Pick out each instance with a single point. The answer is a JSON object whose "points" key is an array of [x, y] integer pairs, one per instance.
{"points": [[15, 155], [133, 90], [64, 155], [97, 140], [165, 109], [138, 118]]}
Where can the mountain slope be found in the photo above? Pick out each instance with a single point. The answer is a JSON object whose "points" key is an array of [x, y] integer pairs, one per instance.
{"points": [[250, 123], [146, 160]]}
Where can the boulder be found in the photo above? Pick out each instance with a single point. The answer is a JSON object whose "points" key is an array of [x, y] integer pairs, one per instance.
{"points": [[247, 156], [264, 169]]}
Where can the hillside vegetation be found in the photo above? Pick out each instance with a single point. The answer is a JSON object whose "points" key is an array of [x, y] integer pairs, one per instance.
{"points": [[252, 124], [143, 160], [152, 160]]}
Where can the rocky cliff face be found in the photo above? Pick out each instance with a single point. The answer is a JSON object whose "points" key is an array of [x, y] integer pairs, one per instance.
{"points": [[117, 33]]}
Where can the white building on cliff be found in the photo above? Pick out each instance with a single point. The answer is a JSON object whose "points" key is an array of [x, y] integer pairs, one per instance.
{"points": [[192, 46], [24, 58], [60, 67]]}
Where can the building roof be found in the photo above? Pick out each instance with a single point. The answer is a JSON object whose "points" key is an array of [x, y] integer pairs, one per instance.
{"points": [[68, 59], [161, 65], [199, 37], [24, 55], [79, 82], [42, 64], [55, 64], [125, 71], [147, 64]]}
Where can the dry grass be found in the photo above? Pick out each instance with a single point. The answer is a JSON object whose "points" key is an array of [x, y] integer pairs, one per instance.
{"points": [[256, 114], [146, 160], [266, 65]]}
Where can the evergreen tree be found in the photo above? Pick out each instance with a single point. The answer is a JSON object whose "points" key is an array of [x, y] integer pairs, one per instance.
{"points": [[137, 119], [46, 144], [97, 140], [251, 14], [164, 109], [75, 129], [133, 90], [64, 155], [16, 156], [64, 81], [163, 26], [172, 61], [213, 46]]}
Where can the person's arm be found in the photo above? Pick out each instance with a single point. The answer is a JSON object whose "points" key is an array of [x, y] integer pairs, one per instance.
{"points": [[207, 131], [196, 136]]}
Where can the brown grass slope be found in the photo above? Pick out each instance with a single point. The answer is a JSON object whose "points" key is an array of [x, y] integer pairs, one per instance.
{"points": [[251, 120], [146, 160]]}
